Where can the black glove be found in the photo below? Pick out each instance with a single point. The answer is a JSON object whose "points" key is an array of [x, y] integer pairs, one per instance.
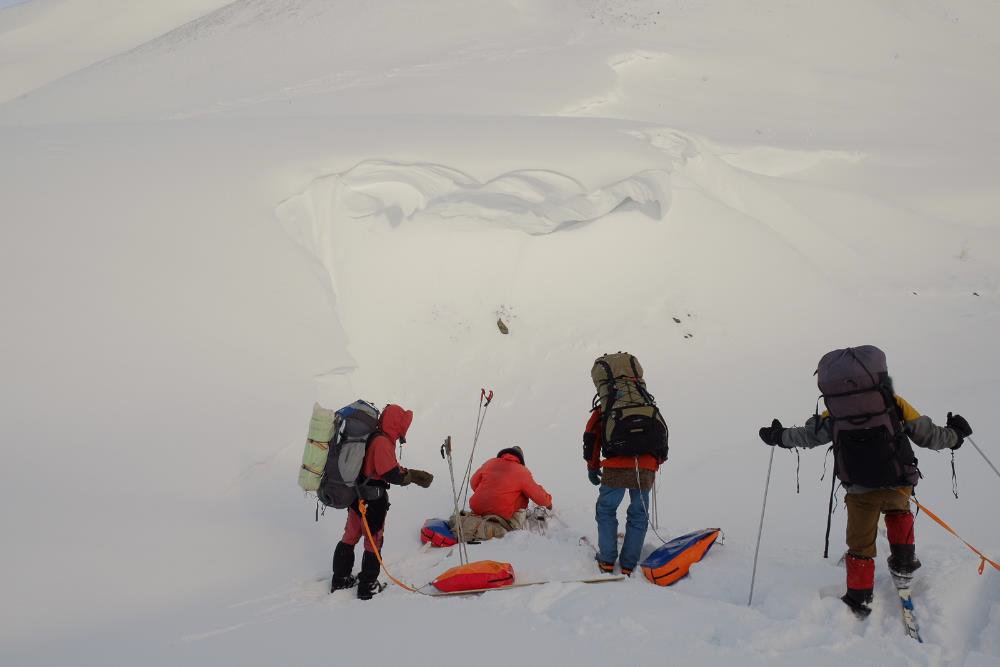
{"points": [[589, 440], [771, 435], [960, 426], [418, 477], [594, 476]]}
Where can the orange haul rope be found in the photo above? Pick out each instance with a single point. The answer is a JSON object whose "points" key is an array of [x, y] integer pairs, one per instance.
{"points": [[371, 540], [983, 559]]}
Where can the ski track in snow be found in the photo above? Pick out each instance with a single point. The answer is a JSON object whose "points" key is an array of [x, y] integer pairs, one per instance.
{"points": [[711, 619]]}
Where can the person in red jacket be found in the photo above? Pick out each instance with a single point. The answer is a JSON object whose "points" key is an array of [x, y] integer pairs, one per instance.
{"points": [[501, 488], [379, 469], [615, 475]]}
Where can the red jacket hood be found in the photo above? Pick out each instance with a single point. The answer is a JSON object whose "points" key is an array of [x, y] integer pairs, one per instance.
{"points": [[395, 421]]}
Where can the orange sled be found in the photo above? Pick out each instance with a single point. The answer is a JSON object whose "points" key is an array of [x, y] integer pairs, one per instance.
{"points": [[673, 560]]}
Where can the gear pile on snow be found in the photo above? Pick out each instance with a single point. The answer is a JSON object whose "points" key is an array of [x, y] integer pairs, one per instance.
{"points": [[436, 533]]}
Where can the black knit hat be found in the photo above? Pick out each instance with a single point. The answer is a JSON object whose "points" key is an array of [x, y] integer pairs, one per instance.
{"points": [[515, 450]]}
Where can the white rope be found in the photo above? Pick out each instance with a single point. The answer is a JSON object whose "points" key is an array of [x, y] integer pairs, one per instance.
{"points": [[638, 481], [656, 503]]}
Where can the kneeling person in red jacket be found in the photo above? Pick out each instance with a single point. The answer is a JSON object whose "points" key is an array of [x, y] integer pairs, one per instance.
{"points": [[502, 488]]}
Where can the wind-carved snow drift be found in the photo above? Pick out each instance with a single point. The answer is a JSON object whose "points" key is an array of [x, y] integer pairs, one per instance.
{"points": [[373, 226], [531, 200]]}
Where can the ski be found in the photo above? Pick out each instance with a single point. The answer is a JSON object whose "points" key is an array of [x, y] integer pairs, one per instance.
{"points": [[906, 607], [478, 591], [586, 542]]}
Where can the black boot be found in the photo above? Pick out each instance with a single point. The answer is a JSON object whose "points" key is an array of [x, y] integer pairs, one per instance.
{"points": [[859, 599], [368, 584], [343, 562], [903, 560]]}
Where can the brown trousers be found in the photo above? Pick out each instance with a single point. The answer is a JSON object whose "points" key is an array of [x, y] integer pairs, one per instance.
{"points": [[626, 478], [863, 511]]}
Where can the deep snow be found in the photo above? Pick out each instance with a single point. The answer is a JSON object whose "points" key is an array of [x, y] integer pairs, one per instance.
{"points": [[296, 200]]}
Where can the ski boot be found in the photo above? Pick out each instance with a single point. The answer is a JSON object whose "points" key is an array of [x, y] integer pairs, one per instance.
{"points": [[903, 562], [903, 559], [605, 568], [627, 571]]}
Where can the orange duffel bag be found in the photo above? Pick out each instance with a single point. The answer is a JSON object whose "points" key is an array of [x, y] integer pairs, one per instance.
{"points": [[477, 575]]}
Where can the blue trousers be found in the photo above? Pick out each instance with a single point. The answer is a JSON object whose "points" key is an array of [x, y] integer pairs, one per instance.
{"points": [[608, 500]]}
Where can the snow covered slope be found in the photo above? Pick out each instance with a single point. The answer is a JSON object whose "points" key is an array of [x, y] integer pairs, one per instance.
{"points": [[43, 40], [295, 200]]}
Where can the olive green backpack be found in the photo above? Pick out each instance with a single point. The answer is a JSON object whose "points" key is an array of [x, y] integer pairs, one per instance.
{"points": [[631, 424]]}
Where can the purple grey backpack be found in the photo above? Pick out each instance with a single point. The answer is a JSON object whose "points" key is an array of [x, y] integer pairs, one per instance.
{"points": [[869, 446]]}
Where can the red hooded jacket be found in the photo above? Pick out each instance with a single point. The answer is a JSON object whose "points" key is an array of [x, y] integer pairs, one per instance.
{"points": [[503, 485], [380, 459]]}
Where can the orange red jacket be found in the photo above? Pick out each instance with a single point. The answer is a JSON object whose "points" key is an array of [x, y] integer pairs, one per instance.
{"points": [[504, 485], [380, 457], [592, 443]]}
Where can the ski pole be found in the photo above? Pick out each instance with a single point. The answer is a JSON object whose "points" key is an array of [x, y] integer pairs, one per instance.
{"points": [[446, 450], [484, 404], [988, 462], [760, 531], [475, 436], [829, 515]]}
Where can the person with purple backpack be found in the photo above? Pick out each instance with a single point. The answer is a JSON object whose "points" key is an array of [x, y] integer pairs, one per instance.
{"points": [[871, 429]]}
